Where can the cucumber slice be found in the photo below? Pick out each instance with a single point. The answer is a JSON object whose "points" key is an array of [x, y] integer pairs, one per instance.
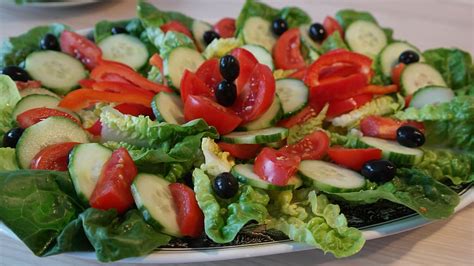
{"points": [[268, 119], [263, 56], [30, 91], [295, 181], [85, 166], [244, 173], [126, 49], [56, 71], [394, 152], [153, 198], [431, 95], [309, 48], [178, 60], [198, 28], [390, 54], [168, 107], [260, 136], [293, 94], [419, 75], [258, 31], [52, 130], [35, 101], [366, 38], [329, 177]]}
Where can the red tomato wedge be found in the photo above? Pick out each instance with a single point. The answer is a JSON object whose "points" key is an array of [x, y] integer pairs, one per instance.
{"points": [[240, 151], [385, 127], [311, 147], [30, 84], [81, 48], [299, 118], [54, 157], [191, 84], [353, 158], [223, 119], [96, 128], [247, 63], [36, 115], [339, 107], [287, 53], [112, 190], [83, 98], [397, 73], [190, 217], [210, 74], [156, 61], [119, 87], [331, 25], [176, 26], [225, 27], [276, 167]]}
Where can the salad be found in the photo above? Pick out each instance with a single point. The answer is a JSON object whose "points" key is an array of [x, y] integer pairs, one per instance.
{"points": [[167, 131]]}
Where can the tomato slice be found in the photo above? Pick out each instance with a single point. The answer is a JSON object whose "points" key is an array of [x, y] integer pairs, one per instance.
{"points": [[223, 119], [241, 151], [54, 157], [225, 27], [385, 127], [256, 95], [287, 53], [339, 107], [119, 87], [81, 48], [299, 74], [191, 84], [36, 115], [210, 74], [311, 147], [276, 167], [176, 26], [83, 98], [30, 84], [397, 73], [353, 158], [112, 190], [190, 217], [247, 63], [299, 118], [331, 25], [96, 128]]}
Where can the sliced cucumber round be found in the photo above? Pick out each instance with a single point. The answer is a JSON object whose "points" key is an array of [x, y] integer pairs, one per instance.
{"points": [[52, 130], [263, 56], [293, 94], [178, 60], [366, 38], [258, 31], [268, 119], [306, 39], [85, 166], [35, 101], [42, 91], [329, 177], [56, 71], [168, 107], [390, 54], [244, 173], [431, 95], [153, 198], [260, 136], [198, 29], [126, 49], [394, 152], [418, 75]]}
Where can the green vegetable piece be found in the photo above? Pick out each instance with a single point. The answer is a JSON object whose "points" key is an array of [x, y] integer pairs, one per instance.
{"points": [[8, 160], [298, 132], [150, 16], [333, 42], [9, 97]]}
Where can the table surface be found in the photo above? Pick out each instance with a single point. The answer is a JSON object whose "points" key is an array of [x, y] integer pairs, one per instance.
{"points": [[427, 24]]}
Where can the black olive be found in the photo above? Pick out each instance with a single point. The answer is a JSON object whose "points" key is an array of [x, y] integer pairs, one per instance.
{"points": [[16, 73], [379, 171], [188, 180], [118, 30], [409, 136], [226, 185], [229, 68], [210, 36], [279, 26], [226, 93], [90, 36], [409, 57], [10, 139], [317, 32], [49, 42]]}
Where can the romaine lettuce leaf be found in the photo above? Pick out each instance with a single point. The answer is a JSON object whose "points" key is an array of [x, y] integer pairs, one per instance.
{"points": [[8, 159], [150, 16], [8, 99], [298, 132], [166, 42], [333, 42]]}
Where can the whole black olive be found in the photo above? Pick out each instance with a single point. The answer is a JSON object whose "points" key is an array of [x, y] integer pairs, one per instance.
{"points": [[279, 26], [409, 57], [317, 32], [226, 185], [118, 30], [49, 42], [10, 139], [210, 36], [16, 73], [229, 68], [409, 136], [379, 171]]}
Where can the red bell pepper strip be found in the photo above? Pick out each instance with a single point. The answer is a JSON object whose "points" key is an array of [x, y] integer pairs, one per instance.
{"points": [[83, 98], [120, 87]]}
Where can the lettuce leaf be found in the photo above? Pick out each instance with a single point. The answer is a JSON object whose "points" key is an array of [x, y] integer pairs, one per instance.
{"points": [[298, 132], [8, 159], [220, 47], [333, 42], [223, 220], [311, 219], [9, 97], [150, 16]]}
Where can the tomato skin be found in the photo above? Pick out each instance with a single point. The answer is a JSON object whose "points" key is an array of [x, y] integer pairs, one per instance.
{"points": [[311, 147], [83, 98], [385, 127], [331, 25], [210, 74], [223, 119], [176, 26], [353, 158], [299, 118], [191, 84], [190, 217], [96, 128], [275, 166], [54, 157], [134, 109], [36, 115], [81, 48], [112, 190], [247, 63], [339, 107], [30, 84], [397, 73], [287, 52], [225, 27], [299, 74], [240, 151]]}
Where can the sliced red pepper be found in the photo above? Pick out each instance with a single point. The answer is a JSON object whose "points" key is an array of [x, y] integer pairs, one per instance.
{"points": [[83, 98], [339, 107], [299, 118], [96, 128], [87, 83], [397, 73], [337, 89], [380, 90], [299, 74], [119, 87], [156, 61]]}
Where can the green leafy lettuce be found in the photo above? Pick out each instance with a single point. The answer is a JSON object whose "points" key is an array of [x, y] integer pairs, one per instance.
{"points": [[345, 17], [333, 42], [14, 50], [9, 97], [299, 131], [8, 159], [414, 189], [311, 219], [223, 220], [103, 29], [150, 16], [166, 42]]}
